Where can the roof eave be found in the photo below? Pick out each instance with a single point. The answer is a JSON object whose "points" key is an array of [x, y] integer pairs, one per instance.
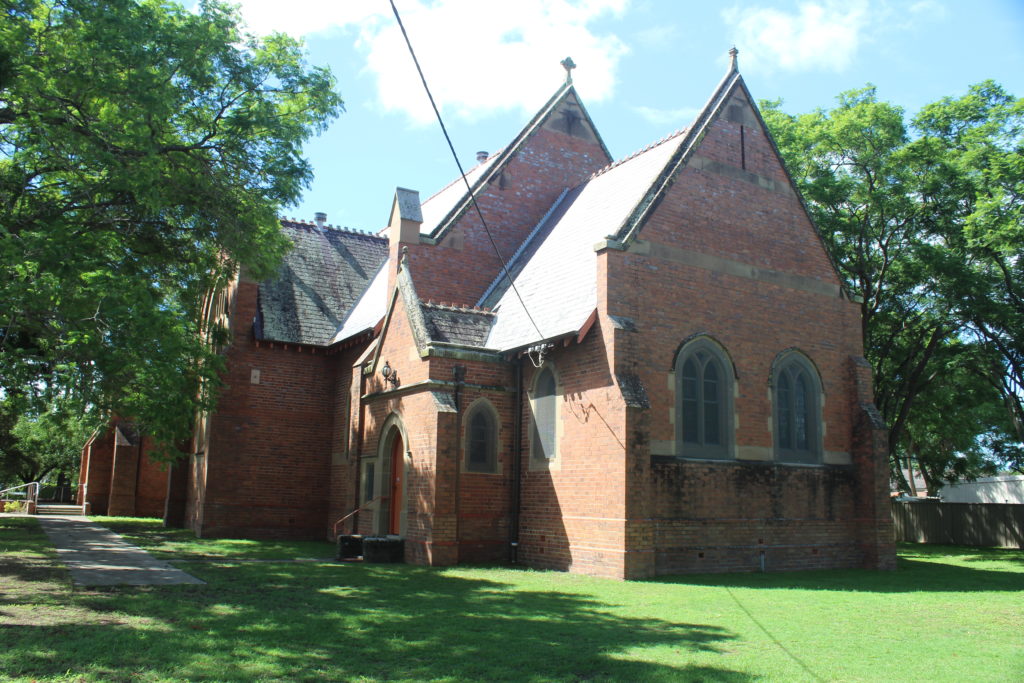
{"points": [[664, 180], [510, 150]]}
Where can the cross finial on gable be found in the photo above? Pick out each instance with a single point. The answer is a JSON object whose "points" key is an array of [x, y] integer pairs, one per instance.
{"points": [[568, 65], [733, 63]]}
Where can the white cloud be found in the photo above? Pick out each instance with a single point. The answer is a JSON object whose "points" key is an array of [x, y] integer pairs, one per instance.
{"points": [[479, 57], [927, 9], [307, 17], [668, 117], [819, 36]]}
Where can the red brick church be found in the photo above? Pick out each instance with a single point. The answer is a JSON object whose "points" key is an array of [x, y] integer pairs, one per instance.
{"points": [[668, 376]]}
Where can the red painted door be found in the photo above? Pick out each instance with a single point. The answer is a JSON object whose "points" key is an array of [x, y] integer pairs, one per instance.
{"points": [[397, 473]]}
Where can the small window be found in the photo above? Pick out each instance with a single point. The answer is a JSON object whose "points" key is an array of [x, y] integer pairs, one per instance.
{"points": [[545, 414], [797, 404], [481, 438], [703, 401], [368, 480]]}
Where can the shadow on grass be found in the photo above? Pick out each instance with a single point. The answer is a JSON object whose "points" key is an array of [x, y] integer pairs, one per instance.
{"points": [[943, 553], [332, 621], [172, 543], [26, 557], [919, 568]]}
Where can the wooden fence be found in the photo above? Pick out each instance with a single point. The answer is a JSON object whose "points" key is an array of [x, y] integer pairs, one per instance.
{"points": [[979, 524]]}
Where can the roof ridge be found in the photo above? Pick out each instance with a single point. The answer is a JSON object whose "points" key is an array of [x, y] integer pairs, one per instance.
{"points": [[430, 303], [692, 137], [328, 227], [458, 178], [501, 158], [642, 150]]}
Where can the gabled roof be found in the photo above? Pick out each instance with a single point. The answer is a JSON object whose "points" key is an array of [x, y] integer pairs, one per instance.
{"points": [[368, 310], [457, 324], [317, 284], [694, 134], [443, 209], [437, 207], [555, 272]]}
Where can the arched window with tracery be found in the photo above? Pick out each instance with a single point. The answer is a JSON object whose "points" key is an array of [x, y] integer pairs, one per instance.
{"points": [[704, 388], [796, 400]]}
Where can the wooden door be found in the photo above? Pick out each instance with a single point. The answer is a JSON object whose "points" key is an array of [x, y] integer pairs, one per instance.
{"points": [[397, 475]]}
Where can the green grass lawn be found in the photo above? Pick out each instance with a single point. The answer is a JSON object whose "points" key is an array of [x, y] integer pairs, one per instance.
{"points": [[952, 614]]}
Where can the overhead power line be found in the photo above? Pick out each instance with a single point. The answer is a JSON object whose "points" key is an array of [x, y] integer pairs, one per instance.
{"points": [[455, 156]]}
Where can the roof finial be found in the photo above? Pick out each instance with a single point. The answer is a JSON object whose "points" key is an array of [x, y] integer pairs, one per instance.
{"points": [[568, 65], [733, 64]]}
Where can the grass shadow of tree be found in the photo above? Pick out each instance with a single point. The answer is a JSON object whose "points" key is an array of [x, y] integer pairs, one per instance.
{"points": [[293, 621], [170, 542], [919, 568]]}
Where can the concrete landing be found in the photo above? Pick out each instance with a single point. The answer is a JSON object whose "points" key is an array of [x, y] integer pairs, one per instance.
{"points": [[97, 556]]}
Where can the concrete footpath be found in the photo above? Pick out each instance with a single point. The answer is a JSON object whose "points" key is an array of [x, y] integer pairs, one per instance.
{"points": [[97, 556]]}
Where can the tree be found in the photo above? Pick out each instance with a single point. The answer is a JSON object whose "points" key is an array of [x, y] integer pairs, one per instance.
{"points": [[974, 146], [954, 423], [34, 446], [924, 225], [145, 151]]}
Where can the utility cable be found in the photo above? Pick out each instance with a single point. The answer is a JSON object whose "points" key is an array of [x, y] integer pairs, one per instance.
{"points": [[472, 196]]}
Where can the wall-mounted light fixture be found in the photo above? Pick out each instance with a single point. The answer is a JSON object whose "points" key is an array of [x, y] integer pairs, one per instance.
{"points": [[389, 374]]}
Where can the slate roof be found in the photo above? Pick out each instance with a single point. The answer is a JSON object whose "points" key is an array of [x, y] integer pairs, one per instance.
{"points": [[555, 272], [436, 207], [368, 309], [554, 269], [457, 325], [318, 282]]}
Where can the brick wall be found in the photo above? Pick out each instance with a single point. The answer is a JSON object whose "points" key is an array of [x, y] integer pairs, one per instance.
{"points": [[344, 476], [573, 509], [731, 254], [728, 252], [268, 465], [94, 478], [151, 482], [122, 479], [450, 514], [461, 267]]}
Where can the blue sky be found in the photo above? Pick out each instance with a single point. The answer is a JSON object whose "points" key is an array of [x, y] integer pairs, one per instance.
{"points": [[644, 68]]}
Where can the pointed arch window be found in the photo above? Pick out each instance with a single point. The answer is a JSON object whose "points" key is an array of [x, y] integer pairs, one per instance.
{"points": [[544, 404], [481, 442], [796, 398], [704, 389]]}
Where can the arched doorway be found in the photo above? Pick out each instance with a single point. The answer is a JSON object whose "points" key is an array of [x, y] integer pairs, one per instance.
{"points": [[390, 513]]}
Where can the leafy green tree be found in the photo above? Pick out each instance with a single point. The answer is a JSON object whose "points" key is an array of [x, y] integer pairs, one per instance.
{"points": [[924, 224], [145, 152], [34, 446], [10, 453], [851, 166], [955, 422], [974, 147]]}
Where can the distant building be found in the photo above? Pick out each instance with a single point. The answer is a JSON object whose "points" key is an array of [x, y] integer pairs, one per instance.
{"points": [[1007, 488], [668, 378]]}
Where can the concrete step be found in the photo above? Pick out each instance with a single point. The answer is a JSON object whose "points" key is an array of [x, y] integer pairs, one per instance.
{"points": [[58, 509]]}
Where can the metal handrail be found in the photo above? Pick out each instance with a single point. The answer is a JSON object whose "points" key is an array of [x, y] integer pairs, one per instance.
{"points": [[358, 509], [32, 493]]}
